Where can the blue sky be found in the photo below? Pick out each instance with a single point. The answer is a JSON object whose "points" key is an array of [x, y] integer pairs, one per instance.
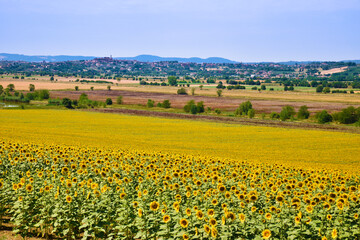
{"points": [[242, 30]]}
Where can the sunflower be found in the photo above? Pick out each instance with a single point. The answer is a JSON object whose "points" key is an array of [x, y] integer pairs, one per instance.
{"points": [[211, 212], [230, 215], [68, 199], [214, 202], [199, 214], [185, 236], [309, 209], [140, 212], [154, 206], [214, 232], [268, 216], [212, 222], [15, 187], [253, 208], [122, 195], [279, 198], [242, 217], [188, 211], [356, 215], [184, 223], [328, 217], [207, 228], [334, 233], [227, 195], [340, 205], [166, 218], [135, 204], [266, 234], [297, 220], [29, 188]]}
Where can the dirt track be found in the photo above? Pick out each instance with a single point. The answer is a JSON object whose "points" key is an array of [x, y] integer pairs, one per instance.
{"points": [[178, 101], [234, 120]]}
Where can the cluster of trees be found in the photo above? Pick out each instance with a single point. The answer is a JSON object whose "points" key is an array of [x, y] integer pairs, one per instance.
{"points": [[245, 109], [10, 94], [165, 104], [194, 108]]}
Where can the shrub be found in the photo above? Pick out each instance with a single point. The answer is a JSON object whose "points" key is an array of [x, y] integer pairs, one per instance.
{"points": [[287, 112], [274, 115], [303, 113], [243, 109], [319, 89], [193, 91], [263, 87], [43, 94], [172, 80], [150, 103], [119, 100], [166, 104], [219, 93], [108, 101], [251, 113], [254, 88], [271, 89], [66, 102], [217, 111], [76, 88], [324, 117], [182, 91], [348, 115], [326, 90]]}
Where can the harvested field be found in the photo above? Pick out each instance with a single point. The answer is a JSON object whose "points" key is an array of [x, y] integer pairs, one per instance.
{"points": [[178, 101], [334, 70]]}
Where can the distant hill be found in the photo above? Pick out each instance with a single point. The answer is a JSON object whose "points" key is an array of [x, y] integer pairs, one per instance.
{"points": [[140, 58], [151, 58], [27, 58]]}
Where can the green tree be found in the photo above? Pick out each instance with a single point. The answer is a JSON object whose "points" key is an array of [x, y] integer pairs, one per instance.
{"points": [[108, 87], [51, 78], [182, 91], [44, 94], [326, 90], [274, 115], [251, 113], [150, 103], [287, 112], [172, 80], [92, 88], [76, 88], [1, 89], [263, 87], [219, 93], [66, 102], [201, 87], [193, 91], [187, 107], [319, 88], [193, 109], [166, 104], [303, 112], [324, 117], [244, 108], [108, 101], [11, 87], [31, 87], [349, 115], [119, 100]]}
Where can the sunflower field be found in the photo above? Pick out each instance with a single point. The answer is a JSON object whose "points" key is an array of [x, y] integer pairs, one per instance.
{"points": [[79, 192]]}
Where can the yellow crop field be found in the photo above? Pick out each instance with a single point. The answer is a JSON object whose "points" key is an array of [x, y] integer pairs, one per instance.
{"points": [[89, 175]]}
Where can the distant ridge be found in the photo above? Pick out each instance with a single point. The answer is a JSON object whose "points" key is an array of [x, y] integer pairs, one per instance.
{"points": [[140, 58]]}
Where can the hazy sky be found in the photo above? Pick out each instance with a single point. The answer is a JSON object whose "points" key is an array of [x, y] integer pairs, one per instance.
{"points": [[242, 30]]}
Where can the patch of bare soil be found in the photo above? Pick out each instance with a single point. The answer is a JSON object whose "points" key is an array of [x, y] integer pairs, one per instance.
{"points": [[178, 101], [234, 120]]}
